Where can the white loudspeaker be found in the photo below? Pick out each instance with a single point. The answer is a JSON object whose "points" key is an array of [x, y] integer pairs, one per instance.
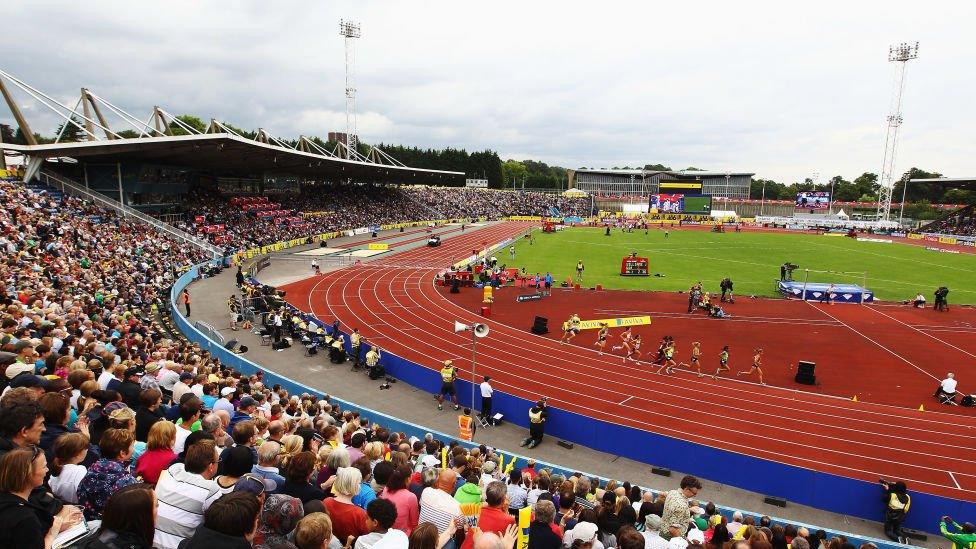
{"points": [[460, 327], [480, 330]]}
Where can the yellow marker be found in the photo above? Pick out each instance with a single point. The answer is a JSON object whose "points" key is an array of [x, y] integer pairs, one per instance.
{"points": [[379, 246], [921, 407], [854, 398], [444, 458]]}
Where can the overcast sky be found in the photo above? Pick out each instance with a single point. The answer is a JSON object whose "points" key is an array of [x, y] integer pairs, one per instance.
{"points": [[783, 89]]}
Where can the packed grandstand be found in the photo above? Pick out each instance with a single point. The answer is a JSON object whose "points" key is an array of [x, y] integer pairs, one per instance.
{"points": [[107, 407]]}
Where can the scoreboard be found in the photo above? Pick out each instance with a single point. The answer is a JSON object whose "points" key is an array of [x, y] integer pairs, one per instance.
{"points": [[633, 266]]}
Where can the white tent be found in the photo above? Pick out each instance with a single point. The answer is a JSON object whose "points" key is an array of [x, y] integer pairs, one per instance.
{"points": [[840, 213]]}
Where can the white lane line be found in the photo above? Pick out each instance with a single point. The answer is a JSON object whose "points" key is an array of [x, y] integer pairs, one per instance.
{"points": [[626, 399], [954, 481], [905, 360], [942, 341]]}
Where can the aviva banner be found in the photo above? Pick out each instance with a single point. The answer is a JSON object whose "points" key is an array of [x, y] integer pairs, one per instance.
{"points": [[615, 322]]}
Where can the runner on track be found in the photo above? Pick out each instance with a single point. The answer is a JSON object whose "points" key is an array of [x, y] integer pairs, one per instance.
{"points": [[602, 337], [625, 339], [448, 377], [695, 358], [756, 366], [669, 363], [723, 362], [634, 349], [571, 329]]}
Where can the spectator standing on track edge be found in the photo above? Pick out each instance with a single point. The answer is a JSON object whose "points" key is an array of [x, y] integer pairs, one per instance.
{"points": [[897, 504], [538, 415], [448, 377]]}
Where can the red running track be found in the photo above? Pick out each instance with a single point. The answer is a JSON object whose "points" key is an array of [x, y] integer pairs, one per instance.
{"points": [[395, 303]]}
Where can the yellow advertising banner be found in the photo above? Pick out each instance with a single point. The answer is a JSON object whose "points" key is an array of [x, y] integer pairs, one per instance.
{"points": [[615, 322], [525, 218], [947, 240], [379, 246], [914, 236]]}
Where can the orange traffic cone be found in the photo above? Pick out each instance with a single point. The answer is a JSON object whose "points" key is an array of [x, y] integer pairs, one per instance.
{"points": [[854, 398], [921, 407]]}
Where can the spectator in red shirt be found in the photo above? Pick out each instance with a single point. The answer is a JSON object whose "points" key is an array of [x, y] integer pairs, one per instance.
{"points": [[348, 519], [529, 469], [494, 517]]}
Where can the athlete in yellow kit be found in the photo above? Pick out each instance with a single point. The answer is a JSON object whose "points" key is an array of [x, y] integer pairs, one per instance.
{"points": [[448, 376], [571, 329]]}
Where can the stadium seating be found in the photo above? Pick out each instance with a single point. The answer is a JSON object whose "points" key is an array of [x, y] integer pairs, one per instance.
{"points": [[85, 327]]}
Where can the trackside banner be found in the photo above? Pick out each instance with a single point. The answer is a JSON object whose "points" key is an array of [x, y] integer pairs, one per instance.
{"points": [[615, 322]]}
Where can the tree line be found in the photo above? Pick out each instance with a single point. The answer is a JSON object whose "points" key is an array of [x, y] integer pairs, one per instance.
{"points": [[535, 174]]}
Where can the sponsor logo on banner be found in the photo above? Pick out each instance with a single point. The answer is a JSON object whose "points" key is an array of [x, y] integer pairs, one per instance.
{"points": [[931, 238], [528, 297], [379, 246], [881, 240], [615, 322], [943, 250], [947, 240], [968, 243], [914, 236], [899, 235]]}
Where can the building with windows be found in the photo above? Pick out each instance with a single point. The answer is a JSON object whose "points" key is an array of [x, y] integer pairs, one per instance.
{"points": [[639, 184]]}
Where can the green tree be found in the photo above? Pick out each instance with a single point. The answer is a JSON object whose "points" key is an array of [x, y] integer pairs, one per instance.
{"points": [[72, 132], [192, 121], [657, 168], [128, 134], [917, 191], [513, 173]]}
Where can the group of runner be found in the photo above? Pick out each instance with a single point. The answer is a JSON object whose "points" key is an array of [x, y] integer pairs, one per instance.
{"points": [[630, 343]]}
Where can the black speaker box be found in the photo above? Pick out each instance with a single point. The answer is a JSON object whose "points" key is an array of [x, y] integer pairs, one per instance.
{"points": [[541, 325], [778, 502], [805, 373]]}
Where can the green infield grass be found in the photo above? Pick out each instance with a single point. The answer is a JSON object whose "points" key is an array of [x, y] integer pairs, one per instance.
{"points": [[894, 271]]}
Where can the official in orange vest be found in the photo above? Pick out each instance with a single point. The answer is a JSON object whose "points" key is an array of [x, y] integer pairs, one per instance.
{"points": [[466, 425]]}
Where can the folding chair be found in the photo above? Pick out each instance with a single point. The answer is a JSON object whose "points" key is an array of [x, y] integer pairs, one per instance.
{"points": [[948, 398]]}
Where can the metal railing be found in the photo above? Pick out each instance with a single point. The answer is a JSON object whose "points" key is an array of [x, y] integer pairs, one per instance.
{"points": [[68, 186]]}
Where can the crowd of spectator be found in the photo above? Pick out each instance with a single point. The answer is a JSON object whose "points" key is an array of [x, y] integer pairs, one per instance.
{"points": [[343, 207], [960, 223], [127, 436]]}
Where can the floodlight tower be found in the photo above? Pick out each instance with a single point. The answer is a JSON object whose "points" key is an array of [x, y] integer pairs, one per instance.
{"points": [[350, 30], [900, 54]]}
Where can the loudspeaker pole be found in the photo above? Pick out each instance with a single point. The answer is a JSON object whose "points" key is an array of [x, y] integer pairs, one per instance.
{"points": [[474, 357]]}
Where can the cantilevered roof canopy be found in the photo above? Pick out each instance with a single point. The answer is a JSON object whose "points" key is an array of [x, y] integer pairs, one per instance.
{"points": [[229, 154]]}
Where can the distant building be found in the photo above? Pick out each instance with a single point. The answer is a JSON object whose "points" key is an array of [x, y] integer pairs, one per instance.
{"points": [[643, 183]]}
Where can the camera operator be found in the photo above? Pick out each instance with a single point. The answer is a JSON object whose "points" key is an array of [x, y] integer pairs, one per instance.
{"points": [[964, 536], [897, 503], [538, 415]]}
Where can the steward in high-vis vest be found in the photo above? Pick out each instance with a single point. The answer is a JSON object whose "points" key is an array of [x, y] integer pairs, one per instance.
{"points": [[538, 415], [448, 376], [466, 426]]}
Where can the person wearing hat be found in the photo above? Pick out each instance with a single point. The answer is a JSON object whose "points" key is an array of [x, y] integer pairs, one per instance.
{"points": [[538, 415], [448, 377], [244, 412], [224, 403], [486, 392], [651, 533], [130, 387], [585, 533], [38, 384]]}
